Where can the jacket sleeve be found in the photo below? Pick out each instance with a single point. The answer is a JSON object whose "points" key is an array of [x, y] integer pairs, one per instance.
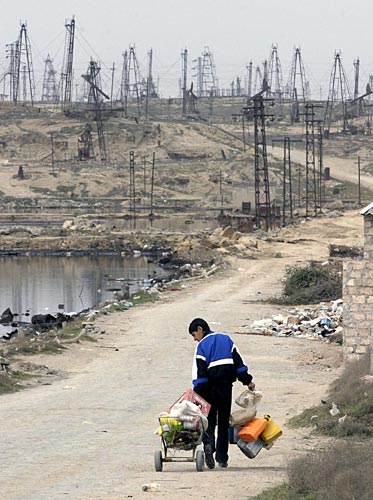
{"points": [[241, 369], [199, 372]]}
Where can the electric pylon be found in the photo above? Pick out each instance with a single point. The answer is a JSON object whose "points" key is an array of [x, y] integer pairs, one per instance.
{"points": [[338, 91], [50, 88]]}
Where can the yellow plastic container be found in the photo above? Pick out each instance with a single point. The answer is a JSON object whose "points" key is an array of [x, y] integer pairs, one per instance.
{"points": [[272, 430]]}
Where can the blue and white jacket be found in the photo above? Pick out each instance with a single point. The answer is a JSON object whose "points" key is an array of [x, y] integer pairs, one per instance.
{"points": [[217, 358]]}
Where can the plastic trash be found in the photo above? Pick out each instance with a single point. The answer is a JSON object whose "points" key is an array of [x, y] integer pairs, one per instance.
{"points": [[151, 487]]}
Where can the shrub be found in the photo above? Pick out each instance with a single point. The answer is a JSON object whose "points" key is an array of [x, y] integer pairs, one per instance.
{"points": [[341, 473], [308, 285]]}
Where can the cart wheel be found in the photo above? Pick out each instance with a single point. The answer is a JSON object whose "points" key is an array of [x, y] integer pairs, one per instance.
{"points": [[158, 461], [200, 460]]}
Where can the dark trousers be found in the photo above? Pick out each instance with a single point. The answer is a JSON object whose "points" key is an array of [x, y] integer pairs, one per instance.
{"points": [[220, 398]]}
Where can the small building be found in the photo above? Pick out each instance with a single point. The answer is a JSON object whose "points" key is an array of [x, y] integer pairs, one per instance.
{"points": [[358, 297]]}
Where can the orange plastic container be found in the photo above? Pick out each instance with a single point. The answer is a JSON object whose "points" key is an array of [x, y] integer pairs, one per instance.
{"points": [[252, 430]]}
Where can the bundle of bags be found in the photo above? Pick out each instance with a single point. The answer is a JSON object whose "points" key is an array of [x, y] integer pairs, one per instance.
{"points": [[183, 416], [250, 433]]}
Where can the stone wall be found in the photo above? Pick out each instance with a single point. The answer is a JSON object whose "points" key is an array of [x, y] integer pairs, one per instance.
{"points": [[358, 300]]}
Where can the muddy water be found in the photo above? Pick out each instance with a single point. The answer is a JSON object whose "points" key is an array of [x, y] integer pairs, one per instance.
{"points": [[38, 285]]}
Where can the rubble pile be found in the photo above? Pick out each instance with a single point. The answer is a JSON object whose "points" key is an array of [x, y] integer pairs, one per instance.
{"points": [[322, 321]]}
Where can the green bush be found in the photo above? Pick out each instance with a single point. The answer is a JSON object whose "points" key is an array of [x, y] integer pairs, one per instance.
{"points": [[312, 284]]}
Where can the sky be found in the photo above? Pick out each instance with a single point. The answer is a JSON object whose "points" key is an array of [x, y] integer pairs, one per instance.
{"points": [[235, 31]]}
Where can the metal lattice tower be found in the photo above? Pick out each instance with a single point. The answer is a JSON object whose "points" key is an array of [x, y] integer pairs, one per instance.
{"points": [[262, 194], [85, 144], [66, 81], [50, 88], [131, 86], [151, 90], [20, 69], [258, 80], [274, 75], [338, 91], [311, 184], [92, 77], [207, 77], [297, 87]]}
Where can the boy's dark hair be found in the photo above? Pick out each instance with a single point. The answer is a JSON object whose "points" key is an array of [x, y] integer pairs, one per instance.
{"points": [[199, 322]]}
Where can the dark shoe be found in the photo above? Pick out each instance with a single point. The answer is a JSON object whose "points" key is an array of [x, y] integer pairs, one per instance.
{"points": [[224, 465], [209, 456]]}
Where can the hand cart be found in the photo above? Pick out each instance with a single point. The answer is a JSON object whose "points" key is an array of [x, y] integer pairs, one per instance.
{"points": [[183, 433]]}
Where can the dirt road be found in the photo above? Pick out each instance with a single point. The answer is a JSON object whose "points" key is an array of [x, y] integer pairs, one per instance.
{"points": [[90, 436]]}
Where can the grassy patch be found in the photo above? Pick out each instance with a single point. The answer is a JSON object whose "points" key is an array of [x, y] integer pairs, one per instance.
{"points": [[354, 399], [12, 381], [283, 492]]}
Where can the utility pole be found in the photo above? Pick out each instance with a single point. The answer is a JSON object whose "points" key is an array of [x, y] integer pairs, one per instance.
{"points": [[52, 146], [112, 85], [144, 176], [132, 190], [358, 179], [151, 215], [184, 79]]}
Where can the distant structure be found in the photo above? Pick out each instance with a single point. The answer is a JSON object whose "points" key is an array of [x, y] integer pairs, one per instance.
{"points": [[207, 82], [66, 80], [19, 77], [93, 78], [338, 91], [274, 75], [50, 87], [249, 68], [297, 87], [131, 85]]}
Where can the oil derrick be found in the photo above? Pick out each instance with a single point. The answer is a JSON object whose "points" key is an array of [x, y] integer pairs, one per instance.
{"points": [[274, 75], [151, 90], [258, 80], [131, 87], [20, 69], [206, 76], [92, 77], [85, 144], [50, 89], [297, 87], [66, 81], [338, 91]]}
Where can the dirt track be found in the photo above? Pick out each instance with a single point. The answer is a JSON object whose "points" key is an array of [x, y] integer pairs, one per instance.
{"points": [[90, 436]]}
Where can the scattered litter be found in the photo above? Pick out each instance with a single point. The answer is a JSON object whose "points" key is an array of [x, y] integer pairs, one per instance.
{"points": [[334, 410], [322, 321]]}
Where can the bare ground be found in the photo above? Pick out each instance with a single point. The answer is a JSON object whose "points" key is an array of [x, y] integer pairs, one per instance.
{"points": [[90, 436]]}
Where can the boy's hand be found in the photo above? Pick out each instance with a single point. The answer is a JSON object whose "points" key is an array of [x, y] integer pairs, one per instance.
{"points": [[251, 386]]}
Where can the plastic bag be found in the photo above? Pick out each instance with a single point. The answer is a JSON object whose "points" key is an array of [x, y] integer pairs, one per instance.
{"points": [[187, 408]]}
